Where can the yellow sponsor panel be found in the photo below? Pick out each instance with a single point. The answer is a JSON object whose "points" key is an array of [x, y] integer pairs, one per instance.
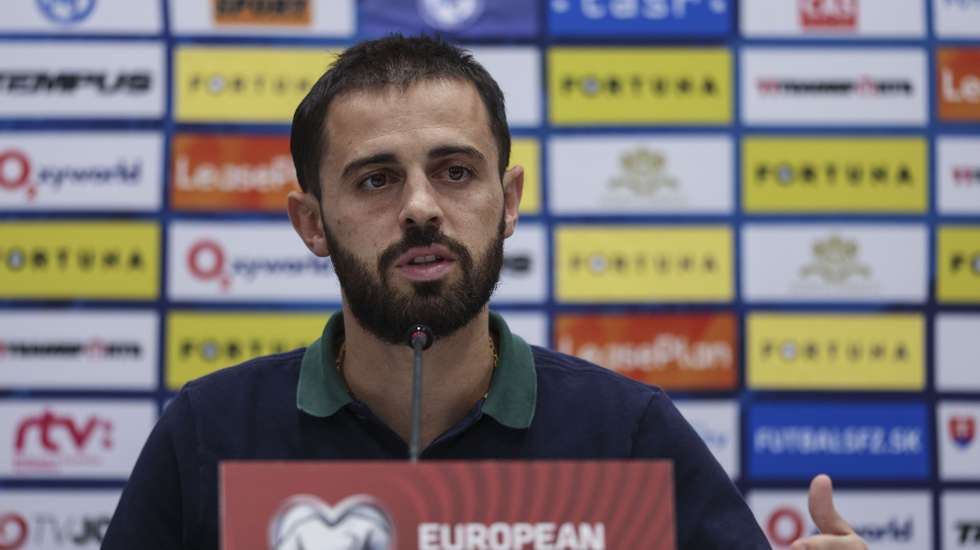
{"points": [[526, 152], [959, 264], [834, 174], [643, 264], [835, 352], [244, 84], [80, 259], [199, 343], [640, 85]]}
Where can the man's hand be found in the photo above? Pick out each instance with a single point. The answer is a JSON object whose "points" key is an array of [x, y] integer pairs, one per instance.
{"points": [[836, 534]]}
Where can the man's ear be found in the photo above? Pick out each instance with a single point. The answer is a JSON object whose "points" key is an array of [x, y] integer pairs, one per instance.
{"points": [[513, 189], [304, 213]]}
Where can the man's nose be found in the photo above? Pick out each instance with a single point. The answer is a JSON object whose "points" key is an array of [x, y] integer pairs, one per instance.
{"points": [[419, 202]]}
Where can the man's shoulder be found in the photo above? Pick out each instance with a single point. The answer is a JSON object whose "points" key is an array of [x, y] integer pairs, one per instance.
{"points": [[264, 374]]}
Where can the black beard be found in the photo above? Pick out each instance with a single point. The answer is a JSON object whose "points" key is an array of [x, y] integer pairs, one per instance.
{"points": [[445, 307]]}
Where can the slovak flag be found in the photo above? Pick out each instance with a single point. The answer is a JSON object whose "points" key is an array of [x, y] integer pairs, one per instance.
{"points": [[962, 429]]}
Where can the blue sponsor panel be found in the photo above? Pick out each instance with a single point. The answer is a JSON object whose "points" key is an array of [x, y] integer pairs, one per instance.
{"points": [[639, 18], [865, 441], [458, 19]]}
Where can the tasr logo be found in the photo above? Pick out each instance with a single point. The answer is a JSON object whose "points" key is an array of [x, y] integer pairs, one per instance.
{"points": [[824, 15], [50, 441], [962, 430]]}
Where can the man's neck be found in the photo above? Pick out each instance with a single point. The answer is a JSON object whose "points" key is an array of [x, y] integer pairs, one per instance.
{"points": [[457, 373]]}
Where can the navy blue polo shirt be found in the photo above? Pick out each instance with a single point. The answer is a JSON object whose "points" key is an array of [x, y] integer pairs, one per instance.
{"points": [[541, 405]]}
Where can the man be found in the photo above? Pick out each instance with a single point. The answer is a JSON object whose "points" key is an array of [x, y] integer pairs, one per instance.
{"points": [[401, 149]]}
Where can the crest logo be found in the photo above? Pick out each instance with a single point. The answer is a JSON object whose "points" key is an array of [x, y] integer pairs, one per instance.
{"points": [[962, 430], [450, 15], [644, 174], [66, 12], [835, 261], [356, 523]]}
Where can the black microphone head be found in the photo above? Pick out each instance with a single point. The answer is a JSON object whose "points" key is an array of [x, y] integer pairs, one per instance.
{"points": [[420, 335]]}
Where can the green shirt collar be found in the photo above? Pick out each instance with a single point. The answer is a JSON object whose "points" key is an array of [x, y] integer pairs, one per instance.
{"points": [[513, 389]]}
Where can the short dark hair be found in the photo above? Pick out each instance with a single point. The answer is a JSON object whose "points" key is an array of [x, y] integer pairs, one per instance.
{"points": [[395, 60]]}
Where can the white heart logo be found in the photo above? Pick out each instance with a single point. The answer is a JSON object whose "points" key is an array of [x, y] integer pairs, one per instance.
{"points": [[304, 522]]}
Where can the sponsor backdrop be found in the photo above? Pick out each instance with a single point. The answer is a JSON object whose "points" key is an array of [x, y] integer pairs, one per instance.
{"points": [[770, 209]]}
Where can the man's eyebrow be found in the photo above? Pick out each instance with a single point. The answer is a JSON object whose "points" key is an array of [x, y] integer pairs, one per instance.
{"points": [[380, 158], [449, 150]]}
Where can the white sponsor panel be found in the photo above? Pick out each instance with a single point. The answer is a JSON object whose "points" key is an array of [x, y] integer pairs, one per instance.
{"points": [[523, 277], [45, 519], [833, 18], [958, 174], [957, 351], [834, 262], [886, 520], [327, 18], [956, 18], [531, 326], [73, 438], [78, 349], [960, 512], [81, 171], [717, 424], [517, 69], [834, 86], [81, 79], [640, 174], [959, 444], [81, 16], [235, 261]]}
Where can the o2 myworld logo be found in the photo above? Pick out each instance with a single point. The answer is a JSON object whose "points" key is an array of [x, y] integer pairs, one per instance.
{"points": [[66, 12]]}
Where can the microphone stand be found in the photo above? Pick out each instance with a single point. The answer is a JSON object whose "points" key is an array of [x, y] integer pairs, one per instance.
{"points": [[419, 338]]}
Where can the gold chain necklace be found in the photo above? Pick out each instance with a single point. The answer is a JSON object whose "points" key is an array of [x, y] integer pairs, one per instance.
{"points": [[342, 353]]}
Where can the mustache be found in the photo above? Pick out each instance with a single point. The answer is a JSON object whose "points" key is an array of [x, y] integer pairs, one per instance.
{"points": [[422, 235]]}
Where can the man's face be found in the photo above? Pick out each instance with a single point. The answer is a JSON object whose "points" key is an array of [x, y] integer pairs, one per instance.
{"points": [[413, 208]]}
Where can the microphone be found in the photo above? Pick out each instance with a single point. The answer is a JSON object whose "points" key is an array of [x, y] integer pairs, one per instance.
{"points": [[419, 338]]}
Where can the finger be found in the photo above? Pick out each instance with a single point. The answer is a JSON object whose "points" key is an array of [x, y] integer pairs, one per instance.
{"points": [[830, 542], [821, 504]]}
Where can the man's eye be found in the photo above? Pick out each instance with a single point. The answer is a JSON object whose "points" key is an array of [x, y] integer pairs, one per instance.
{"points": [[374, 181], [457, 173]]}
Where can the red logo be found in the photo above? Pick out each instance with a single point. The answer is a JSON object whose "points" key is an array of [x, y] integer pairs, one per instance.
{"points": [[962, 429], [785, 525], [49, 440], [15, 172], [206, 261], [828, 14], [966, 175], [13, 531]]}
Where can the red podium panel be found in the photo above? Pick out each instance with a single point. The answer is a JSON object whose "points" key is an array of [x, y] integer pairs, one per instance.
{"points": [[555, 505]]}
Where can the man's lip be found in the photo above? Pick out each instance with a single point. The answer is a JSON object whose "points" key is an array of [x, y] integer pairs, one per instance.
{"points": [[418, 251]]}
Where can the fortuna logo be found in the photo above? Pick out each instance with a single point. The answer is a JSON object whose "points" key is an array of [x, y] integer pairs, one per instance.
{"points": [[450, 15], [17, 173], [66, 12], [831, 174], [962, 430], [965, 260], [19, 82], [13, 531], [49, 440], [223, 351], [207, 261], [29, 259], [644, 174], [95, 348], [635, 9], [835, 261], [966, 176], [600, 263], [305, 521], [637, 84], [255, 84], [801, 350], [861, 86], [828, 14]]}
